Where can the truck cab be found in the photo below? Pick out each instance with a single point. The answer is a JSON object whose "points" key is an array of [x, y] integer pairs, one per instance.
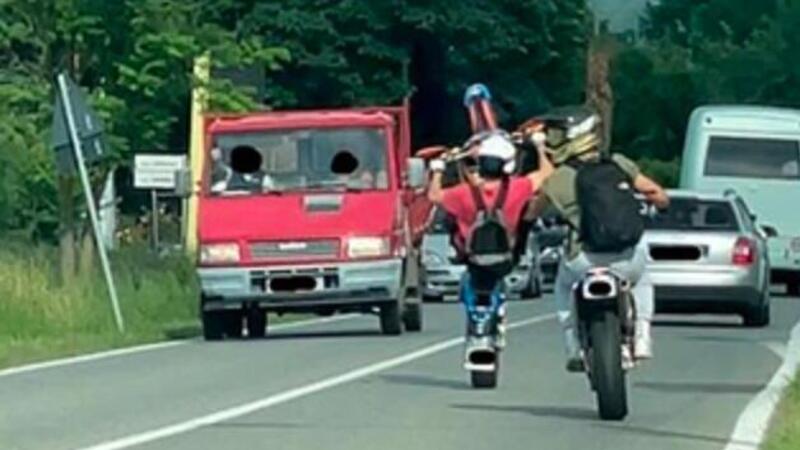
{"points": [[316, 212]]}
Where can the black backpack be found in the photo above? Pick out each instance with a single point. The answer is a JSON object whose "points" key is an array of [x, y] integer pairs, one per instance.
{"points": [[489, 246], [610, 218]]}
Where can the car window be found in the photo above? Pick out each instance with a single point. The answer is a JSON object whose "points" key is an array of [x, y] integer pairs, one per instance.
{"points": [[753, 158], [695, 215]]}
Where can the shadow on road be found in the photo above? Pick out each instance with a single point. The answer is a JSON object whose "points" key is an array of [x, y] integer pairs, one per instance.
{"points": [[321, 335], [678, 387], [553, 412], [668, 434], [427, 381], [687, 323]]}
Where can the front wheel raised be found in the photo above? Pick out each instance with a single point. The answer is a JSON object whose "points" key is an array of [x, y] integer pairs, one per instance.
{"points": [[606, 366], [391, 321]]}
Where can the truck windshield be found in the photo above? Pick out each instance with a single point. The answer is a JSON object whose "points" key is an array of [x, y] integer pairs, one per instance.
{"points": [[299, 159]]}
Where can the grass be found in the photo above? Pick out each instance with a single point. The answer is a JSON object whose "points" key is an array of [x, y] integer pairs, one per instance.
{"points": [[41, 319], [784, 432]]}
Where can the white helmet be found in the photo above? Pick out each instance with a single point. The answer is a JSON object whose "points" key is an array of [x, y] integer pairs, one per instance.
{"points": [[496, 153]]}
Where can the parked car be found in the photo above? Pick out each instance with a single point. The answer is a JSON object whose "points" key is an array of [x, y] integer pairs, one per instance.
{"points": [[442, 271], [707, 256], [756, 151]]}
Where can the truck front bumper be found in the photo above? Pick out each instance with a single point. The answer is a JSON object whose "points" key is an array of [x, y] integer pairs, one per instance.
{"points": [[335, 285]]}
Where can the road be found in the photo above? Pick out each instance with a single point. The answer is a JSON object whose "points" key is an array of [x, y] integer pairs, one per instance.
{"points": [[340, 385]]}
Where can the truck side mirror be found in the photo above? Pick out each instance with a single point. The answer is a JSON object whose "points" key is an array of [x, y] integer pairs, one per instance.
{"points": [[183, 183], [416, 173], [769, 231]]}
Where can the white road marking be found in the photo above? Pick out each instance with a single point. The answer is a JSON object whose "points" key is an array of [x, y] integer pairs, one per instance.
{"points": [[778, 348], [149, 348], [752, 425], [292, 394]]}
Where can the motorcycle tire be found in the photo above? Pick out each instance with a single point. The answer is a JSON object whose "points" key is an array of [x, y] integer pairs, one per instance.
{"points": [[606, 365], [484, 380]]}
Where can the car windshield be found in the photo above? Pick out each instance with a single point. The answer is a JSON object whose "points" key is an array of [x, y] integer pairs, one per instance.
{"points": [[695, 215], [299, 159], [753, 158]]}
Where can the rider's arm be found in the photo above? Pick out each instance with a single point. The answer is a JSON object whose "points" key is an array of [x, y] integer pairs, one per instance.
{"points": [[652, 191], [435, 190], [544, 171]]}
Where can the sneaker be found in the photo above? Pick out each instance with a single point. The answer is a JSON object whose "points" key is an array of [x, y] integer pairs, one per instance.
{"points": [[643, 348], [574, 355], [501, 339], [628, 362]]}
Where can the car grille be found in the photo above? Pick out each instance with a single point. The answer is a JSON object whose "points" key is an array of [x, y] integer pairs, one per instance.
{"points": [[288, 250]]}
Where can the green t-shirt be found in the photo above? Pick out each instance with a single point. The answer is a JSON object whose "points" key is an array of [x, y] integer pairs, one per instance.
{"points": [[559, 191]]}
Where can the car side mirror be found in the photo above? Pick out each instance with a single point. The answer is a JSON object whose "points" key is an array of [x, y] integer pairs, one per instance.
{"points": [[769, 231], [416, 173], [183, 183]]}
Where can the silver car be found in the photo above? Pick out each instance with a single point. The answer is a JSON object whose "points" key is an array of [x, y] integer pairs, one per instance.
{"points": [[442, 272], [706, 255]]}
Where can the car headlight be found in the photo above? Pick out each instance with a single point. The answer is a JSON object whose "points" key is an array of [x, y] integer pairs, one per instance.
{"points": [[433, 259], [219, 253], [367, 247]]}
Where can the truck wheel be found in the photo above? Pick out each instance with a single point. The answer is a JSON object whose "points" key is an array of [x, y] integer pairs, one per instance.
{"points": [[232, 321], [256, 322], [412, 317], [212, 325], [391, 323]]}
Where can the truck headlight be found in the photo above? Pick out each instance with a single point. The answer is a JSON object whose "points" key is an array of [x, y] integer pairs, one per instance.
{"points": [[367, 247], [220, 253]]}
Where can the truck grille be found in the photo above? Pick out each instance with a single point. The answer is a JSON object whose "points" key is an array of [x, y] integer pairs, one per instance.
{"points": [[293, 250]]}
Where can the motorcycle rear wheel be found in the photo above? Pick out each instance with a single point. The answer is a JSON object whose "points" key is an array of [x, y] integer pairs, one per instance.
{"points": [[606, 364]]}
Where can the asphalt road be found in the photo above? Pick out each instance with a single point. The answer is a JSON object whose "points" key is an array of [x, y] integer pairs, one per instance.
{"points": [[340, 385]]}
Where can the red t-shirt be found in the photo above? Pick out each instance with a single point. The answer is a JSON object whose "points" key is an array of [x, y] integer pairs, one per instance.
{"points": [[458, 201]]}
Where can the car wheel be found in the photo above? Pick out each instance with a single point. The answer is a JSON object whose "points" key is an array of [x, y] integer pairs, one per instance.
{"points": [[758, 316]]}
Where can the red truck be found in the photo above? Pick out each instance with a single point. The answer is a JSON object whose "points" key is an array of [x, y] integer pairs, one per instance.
{"points": [[316, 212]]}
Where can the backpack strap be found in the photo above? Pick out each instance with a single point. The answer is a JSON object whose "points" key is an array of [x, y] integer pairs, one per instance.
{"points": [[502, 195], [477, 197]]}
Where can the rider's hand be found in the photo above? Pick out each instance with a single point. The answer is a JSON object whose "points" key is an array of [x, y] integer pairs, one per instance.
{"points": [[438, 165], [538, 138]]}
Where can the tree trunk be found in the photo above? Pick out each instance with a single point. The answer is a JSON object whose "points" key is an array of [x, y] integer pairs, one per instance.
{"points": [[599, 93]]}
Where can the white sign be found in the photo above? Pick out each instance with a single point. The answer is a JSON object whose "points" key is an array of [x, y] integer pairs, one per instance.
{"points": [[157, 171]]}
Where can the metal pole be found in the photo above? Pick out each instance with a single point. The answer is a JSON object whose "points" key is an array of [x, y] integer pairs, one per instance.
{"points": [[154, 218], [87, 189]]}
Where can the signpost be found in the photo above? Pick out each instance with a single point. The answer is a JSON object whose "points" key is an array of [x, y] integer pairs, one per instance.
{"points": [[158, 172], [75, 124]]}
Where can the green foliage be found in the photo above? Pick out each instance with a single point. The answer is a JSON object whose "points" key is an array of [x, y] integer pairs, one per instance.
{"points": [[701, 52]]}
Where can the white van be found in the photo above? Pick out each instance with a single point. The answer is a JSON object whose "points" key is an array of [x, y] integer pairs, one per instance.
{"points": [[756, 152]]}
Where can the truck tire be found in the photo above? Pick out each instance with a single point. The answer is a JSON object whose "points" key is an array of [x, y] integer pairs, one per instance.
{"points": [[212, 325], [412, 317], [606, 366], [232, 322], [256, 322], [391, 322]]}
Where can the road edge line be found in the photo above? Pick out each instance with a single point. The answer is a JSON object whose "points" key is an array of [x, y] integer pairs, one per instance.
{"points": [[753, 422], [124, 351]]}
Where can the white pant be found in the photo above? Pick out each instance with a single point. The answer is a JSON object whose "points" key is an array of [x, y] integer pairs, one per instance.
{"points": [[631, 264]]}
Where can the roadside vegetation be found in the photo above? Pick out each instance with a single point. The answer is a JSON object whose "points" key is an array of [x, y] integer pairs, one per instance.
{"points": [[41, 317], [785, 429]]}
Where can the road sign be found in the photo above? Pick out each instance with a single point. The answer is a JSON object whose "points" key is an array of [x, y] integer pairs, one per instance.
{"points": [[78, 124], [88, 127], [157, 171]]}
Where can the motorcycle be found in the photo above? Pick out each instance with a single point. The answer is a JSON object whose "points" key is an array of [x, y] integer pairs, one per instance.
{"points": [[605, 312]]}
